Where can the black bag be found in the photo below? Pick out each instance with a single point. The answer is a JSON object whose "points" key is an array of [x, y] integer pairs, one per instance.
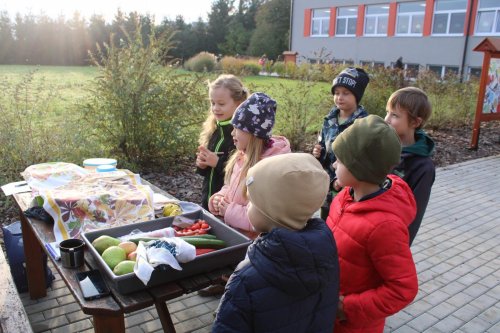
{"points": [[14, 247]]}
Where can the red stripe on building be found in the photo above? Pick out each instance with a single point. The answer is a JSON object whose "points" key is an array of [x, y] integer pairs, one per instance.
{"points": [[307, 22], [472, 27], [393, 12], [333, 21], [429, 13], [361, 20]]}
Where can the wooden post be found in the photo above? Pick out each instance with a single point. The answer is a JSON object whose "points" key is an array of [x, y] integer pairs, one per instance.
{"points": [[489, 88]]}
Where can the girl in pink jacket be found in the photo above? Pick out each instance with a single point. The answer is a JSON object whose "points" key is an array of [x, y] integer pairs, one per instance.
{"points": [[253, 122]]}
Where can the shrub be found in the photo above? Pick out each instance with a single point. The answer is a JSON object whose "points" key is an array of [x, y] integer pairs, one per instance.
{"points": [[279, 68], [251, 68], [232, 65], [301, 109], [202, 62], [147, 114]]}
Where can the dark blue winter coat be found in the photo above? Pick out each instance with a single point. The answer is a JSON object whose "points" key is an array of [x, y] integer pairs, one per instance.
{"points": [[288, 282]]}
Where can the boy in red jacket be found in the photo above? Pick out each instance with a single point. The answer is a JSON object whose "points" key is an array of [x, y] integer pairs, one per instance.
{"points": [[369, 219]]}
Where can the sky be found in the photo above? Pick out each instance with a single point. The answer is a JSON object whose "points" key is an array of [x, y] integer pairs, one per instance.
{"points": [[189, 9]]}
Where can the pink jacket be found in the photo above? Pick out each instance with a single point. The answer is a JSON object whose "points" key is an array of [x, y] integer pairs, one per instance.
{"points": [[236, 212]]}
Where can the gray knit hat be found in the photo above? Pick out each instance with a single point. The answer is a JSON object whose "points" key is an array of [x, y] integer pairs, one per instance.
{"points": [[288, 188], [369, 149], [256, 115]]}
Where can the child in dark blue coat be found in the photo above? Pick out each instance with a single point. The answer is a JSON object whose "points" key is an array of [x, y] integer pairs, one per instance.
{"points": [[289, 280]]}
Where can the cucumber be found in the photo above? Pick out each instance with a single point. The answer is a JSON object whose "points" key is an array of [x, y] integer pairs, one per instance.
{"points": [[144, 239], [206, 236], [206, 243]]}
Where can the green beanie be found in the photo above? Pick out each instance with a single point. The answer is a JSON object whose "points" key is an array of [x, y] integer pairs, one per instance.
{"points": [[369, 149]]}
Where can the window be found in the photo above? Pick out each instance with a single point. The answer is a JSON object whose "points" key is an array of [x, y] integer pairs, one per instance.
{"points": [[443, 71], [449, 17], [376, 20], [346, 21], [474, 73], [320, 22], [488, 17], [410, 19]]}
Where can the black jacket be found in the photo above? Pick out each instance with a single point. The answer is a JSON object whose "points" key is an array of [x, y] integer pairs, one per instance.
{"points": [[221, 141], [418, 171]]}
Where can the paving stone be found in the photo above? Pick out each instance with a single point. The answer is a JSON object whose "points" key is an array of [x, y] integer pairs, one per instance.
{"points": [[467, 312], [491, 315], [443, 310], [74, 327], [60, 310], [449, 324], [422, 322], [41, 306], [137, 318], [476, 325], [475, 290], [50, 323]]}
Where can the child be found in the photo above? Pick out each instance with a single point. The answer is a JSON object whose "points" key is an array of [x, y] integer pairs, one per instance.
{"points": [[288, 281], [216, 143], [369, 219], [407, 111], [253, 122], [347, 89]]}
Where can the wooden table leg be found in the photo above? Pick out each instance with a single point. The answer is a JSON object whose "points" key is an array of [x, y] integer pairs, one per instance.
{"points": [[33, 253], [109, 324], [164, 315]]}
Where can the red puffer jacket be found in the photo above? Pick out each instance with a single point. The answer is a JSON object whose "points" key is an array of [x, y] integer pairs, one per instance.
{"points": [[377, 273]]}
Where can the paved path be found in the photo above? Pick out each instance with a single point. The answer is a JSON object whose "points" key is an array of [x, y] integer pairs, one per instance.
{"points": [[457, 253]]}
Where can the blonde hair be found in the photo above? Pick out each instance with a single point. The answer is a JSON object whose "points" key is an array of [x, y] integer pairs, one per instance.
{"points": [[237, 92], [414, 101], [251, 156]]}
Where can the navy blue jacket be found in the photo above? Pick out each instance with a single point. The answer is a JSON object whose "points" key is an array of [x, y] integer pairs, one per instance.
{"points": [[213, 178], [418, 171], [288, 282]]}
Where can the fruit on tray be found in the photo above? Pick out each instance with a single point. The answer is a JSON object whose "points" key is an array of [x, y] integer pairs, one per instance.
{"points": [[124, 267], [101, 243], [172, 209], [113, 255], [128, 246], [201, 241], [199, 227]]}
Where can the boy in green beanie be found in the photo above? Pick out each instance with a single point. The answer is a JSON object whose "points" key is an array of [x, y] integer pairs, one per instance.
{"points": [[369, 219]]}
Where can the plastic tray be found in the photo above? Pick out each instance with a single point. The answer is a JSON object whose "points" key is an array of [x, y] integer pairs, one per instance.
{"points": [[232, 254]]}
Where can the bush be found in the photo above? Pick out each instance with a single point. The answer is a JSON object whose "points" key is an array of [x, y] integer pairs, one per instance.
{"points": [[301, 109], [202, 62], [147, 114], [279, 68], [251, 68], [232, 65]]}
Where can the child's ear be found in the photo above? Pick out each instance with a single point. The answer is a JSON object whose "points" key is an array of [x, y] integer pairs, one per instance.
{"points": [[416, 123]]}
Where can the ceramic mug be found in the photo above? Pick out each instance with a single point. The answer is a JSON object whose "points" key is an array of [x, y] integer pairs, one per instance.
{"points": [[72, 252]]}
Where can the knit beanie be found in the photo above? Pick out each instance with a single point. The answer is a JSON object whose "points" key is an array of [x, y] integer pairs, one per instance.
{"points": [[256, 115], [354, 79], [369, 149], [287, 189]]}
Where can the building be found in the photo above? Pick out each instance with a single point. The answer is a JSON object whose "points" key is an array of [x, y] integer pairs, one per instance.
{"points": [[436, 35]]}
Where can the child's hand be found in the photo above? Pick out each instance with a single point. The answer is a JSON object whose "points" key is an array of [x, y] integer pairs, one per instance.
{"points": [[206, 157], [220, 204], [340, 309], [317, 150]]}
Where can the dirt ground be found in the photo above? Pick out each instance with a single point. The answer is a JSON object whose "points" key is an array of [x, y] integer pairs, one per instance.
{"points": [[451, 147]]}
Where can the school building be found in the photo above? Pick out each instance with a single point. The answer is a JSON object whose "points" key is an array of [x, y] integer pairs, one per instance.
{"points": [[436, 35]]}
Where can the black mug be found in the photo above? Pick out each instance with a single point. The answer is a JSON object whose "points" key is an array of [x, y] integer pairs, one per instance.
{"points": [[72, 252]]}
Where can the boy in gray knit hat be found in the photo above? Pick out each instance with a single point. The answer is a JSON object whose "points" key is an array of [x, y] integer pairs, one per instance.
{"points": [[369, 219], [288, 281]]}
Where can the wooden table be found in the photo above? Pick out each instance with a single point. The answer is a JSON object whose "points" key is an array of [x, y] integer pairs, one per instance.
{"points": [[108, 312]]}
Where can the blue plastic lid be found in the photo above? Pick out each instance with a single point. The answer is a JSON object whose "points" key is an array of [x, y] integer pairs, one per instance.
{"points": [[94, 162], [106, 168]]}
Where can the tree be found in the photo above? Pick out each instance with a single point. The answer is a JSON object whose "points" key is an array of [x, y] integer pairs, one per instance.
{"points": [[6, 39], [272, 31], [218, 22]]}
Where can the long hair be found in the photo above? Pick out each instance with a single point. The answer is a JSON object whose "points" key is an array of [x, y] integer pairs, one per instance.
{"points": [[237, 92], [251, 156]]}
